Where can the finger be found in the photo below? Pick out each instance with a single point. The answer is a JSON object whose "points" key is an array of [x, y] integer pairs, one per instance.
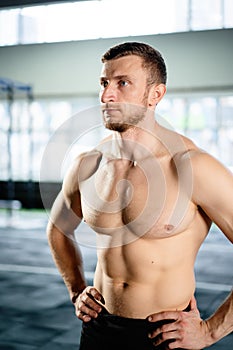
{"points": [[93, 292], [86, 318], [83, 309], [166, 337], [175, 344], [86, 309], [165, 315], [170, 327], [96, 299], [83, 317], [89, 302]]}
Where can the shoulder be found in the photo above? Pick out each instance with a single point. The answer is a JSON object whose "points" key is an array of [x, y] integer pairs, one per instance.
{"points": [[209, 173], [209, 178], [177, 145], [180, 148], [183, 150], [201, 162], [204, 164], [197, 164], [83, 166]]}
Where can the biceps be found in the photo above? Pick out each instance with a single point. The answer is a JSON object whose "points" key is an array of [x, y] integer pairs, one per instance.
{"points": [[223, 220], [216, 201], [63, 216]]}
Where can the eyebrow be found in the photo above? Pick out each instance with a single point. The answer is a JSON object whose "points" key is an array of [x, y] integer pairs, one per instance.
{"points": [[117, 77]]}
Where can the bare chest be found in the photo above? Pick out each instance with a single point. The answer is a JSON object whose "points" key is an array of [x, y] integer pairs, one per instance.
{"points": [[140, 199]]}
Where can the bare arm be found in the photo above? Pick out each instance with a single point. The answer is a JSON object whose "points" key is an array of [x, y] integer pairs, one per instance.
{"points": [[220, 323], [213, 191], [65, 216]]}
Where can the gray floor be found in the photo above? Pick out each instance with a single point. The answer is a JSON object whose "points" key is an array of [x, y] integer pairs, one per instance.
{"points": [[35, 308]]}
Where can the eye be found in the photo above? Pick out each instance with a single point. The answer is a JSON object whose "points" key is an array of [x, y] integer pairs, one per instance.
{"points": [[104, 83], [123, 83]]}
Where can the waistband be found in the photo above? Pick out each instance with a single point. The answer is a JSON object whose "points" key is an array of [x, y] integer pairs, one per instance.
{"points": [[123, 321], [134, 322], [138, 324]]}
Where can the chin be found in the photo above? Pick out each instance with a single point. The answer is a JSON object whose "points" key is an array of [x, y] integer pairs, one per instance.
{"points": [[120, 127]]}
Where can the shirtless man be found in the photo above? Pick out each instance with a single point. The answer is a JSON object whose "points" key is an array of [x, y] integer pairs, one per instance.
{"points": [[151, 195]]}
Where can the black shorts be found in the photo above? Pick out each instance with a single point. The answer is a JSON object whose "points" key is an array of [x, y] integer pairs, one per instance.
{"points": [[111, 332]]}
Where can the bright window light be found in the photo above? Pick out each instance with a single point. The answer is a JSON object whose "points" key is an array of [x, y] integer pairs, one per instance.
{"points": [[9, 22], [228, 13], [96, 19], [141, 18], [206, 14]]}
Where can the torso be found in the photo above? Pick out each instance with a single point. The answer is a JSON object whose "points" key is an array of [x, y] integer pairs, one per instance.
{"points": [[149, 232]]}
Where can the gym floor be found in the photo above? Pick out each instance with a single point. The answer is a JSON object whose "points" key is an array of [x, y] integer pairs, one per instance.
{"points": [[35, 309]]}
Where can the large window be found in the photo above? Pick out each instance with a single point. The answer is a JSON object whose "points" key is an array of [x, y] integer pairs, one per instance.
{"points": [[207, 120], [110, 18]]}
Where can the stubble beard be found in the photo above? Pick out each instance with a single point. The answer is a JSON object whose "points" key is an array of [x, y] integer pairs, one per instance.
{"points": [[133, 115]]}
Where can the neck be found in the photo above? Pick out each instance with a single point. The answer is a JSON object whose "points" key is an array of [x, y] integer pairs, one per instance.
{"points": [[137, 142]]}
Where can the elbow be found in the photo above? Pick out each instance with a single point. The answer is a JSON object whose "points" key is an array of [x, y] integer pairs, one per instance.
{"points": [[55, 232], [50, 228], [50, 232]]}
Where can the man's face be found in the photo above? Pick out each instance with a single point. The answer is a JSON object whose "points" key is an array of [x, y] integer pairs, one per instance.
{"points": [[123, 92]]}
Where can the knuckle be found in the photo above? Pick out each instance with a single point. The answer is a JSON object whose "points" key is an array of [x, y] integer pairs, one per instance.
{"points": [[163, 329], [80, 304], [84, 298], [81, 307], [79, 300], [182, 333], [162, 336], [181, 316], [91, 290]]}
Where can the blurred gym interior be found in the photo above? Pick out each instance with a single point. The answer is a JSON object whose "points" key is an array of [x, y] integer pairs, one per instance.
{"points": [[49, 73]]}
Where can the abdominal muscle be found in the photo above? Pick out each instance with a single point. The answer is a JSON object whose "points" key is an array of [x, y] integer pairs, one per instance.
{"points": [[146, 276]]}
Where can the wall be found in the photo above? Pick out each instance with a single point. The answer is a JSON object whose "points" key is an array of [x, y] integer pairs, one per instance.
{"points": [[195, 60]]}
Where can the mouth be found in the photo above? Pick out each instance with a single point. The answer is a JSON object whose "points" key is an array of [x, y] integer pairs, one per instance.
{"points": [[108, 105], [110, 110]]}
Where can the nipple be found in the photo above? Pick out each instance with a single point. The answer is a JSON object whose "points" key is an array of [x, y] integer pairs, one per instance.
{"points": [[169, 228]]}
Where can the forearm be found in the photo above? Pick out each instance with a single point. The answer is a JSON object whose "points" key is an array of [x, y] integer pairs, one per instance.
{"points": [[220, 323], [68, 259]]}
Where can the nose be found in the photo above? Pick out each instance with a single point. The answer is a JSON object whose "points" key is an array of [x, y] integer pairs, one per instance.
{"points": [[108, 94]]}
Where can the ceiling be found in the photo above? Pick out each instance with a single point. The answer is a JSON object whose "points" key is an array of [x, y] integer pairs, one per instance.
{"points": [[19, 3]]}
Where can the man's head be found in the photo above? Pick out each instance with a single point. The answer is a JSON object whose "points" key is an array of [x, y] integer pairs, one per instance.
{"points": [[153, 61], [132, 82]]}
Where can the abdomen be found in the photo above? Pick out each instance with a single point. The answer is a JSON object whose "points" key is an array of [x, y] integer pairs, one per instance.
{"points": [[146, 277]]}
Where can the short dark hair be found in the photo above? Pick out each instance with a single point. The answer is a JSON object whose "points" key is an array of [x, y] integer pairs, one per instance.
{"points": [[153, 60]]}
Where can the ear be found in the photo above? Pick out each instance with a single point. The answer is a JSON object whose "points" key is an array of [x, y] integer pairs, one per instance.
{"points": [[156, 93]]}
